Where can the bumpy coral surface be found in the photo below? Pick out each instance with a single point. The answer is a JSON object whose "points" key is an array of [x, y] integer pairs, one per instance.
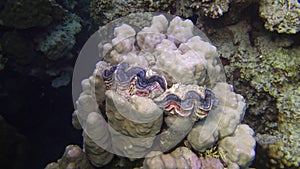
{"points": [[182, 157], [230, 113], [238, 150], [154, 86], [282, 16]]}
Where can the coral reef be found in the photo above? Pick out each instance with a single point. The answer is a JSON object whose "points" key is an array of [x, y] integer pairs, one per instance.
{"points": [[155, 86], [62, 38], [45, 29], [282, 86], [266, 73], [101, 11], [23, 14], [212, 8], [285, 19], [105, 11], [282, 16]]}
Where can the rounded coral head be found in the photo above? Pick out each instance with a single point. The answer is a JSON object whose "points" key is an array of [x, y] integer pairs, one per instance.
{"points": [[141, 83]]}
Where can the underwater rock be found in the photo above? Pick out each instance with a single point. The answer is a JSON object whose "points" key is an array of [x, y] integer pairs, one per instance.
{"points": [[237, 150], [181, 157], [24, 14], [73, 157], [282, 16]]}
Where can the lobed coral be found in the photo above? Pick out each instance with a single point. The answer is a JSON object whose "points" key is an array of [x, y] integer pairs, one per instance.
{"points": [[140, 89], [181, 157], [237, 150], [231, 112], [282, 16]]}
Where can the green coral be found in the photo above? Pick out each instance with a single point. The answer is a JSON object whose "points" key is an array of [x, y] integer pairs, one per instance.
{"points": [[276, 71], [274, 68], [23, 14], [281, 15]]}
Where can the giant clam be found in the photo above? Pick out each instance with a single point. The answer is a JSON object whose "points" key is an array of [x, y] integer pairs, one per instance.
{"points": [[158, 81]]}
